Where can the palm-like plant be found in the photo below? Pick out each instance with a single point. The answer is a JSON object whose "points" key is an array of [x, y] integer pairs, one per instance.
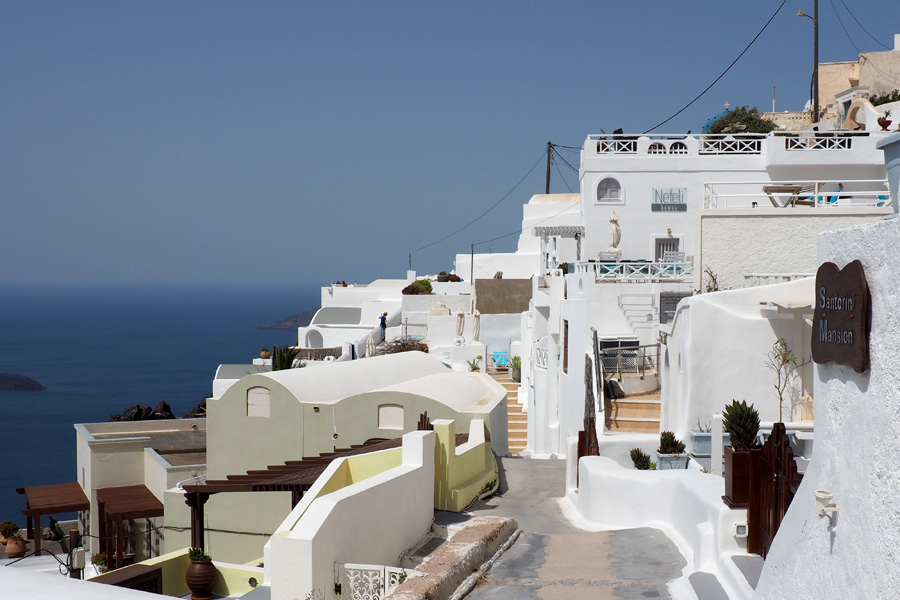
{"points": [[283, 357], [742, 424]]}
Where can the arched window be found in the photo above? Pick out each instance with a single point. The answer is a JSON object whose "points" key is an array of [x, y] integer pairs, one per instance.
{"points": [[656, 148], [609, 190], [258, 402], [678, 148]]}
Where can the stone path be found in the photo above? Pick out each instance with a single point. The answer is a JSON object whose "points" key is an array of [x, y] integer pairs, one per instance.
{"points": [[554, 560]]}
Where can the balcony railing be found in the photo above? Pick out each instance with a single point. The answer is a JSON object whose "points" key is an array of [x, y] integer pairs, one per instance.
{"points": [[637, 272], [784, 194], [541, 358], [719, 144]]}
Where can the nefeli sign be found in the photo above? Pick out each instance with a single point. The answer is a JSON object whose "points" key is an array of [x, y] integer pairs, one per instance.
{"points": [[669, 200], [841, 320]]}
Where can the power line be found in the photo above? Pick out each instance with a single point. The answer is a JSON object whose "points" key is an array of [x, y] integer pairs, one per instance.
{"points": [[565, 183], [723, 72], [860, 26], [841, 23], [529, 227], [479, 217]]}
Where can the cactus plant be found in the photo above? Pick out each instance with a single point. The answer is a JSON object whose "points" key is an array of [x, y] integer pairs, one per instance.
{"points": [[742, 423], [668, 444], [640, 459]]}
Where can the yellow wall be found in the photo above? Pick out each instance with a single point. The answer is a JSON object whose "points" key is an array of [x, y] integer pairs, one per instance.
{"points": [[458, 478], [232, 579]]}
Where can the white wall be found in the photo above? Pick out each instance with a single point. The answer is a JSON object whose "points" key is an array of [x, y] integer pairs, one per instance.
{"points": [[716, 353], [369, 522], [856, 423], [513, 265], [767, 240]]}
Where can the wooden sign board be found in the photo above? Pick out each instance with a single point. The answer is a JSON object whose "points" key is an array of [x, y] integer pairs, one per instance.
{"points": [[842, 318]]}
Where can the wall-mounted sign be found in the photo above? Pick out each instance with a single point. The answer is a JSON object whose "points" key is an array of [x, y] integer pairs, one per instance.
{"points": [[842, 318], [669, 200]]}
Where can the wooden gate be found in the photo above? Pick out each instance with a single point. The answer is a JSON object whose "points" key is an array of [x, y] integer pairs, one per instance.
{"points": [[773, 482]]}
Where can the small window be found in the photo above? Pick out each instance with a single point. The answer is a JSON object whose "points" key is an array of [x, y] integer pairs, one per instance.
{"points": [[565, 346], [656, 148], [390, 416], [609, 190], [258, 402]]}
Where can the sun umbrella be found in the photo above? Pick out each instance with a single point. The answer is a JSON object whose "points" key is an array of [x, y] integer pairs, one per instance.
{"points": [[460, 322], [370, 345], [476, 326]]}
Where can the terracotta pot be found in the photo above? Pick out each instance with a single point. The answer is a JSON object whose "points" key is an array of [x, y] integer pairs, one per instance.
{"points": [[200, 578], [737, 478], [265, 355], [15, 548], [885, 123]]}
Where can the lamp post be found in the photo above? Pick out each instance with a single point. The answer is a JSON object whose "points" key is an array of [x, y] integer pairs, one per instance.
{"points": [[815, 20]]}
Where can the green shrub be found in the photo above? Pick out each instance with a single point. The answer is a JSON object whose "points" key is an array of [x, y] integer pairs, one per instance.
{"points": [[197, 554], [515, 362], [886, 98], [419, 287], [742, 120], [283, 357], [8, 528]]}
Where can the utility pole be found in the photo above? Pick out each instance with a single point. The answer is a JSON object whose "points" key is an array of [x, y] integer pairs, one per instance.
{"points": [[549, 154], [816, 60]]}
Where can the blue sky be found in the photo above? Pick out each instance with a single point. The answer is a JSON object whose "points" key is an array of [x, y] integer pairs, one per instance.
{"points": [[208, 142]]}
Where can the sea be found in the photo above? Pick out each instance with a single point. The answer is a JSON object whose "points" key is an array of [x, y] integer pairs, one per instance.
{"points": [[103, 348]]}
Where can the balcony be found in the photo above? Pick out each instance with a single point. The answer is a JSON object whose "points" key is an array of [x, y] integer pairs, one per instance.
{"points": [[822, 194], [637, 271]]}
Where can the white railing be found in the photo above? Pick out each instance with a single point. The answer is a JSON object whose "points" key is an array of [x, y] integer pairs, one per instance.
{"points": [[728, 144], [757, 279], [806, 193], [197, 480], [719, 144], [637, 272], [541, 358]]}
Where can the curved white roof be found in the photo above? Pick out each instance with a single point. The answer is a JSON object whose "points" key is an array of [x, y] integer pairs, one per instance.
{"points": [[328, 384], [460, 391]]}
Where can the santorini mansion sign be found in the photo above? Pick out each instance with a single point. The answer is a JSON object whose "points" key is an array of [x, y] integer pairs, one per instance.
{"points": [[669, 200], [841, 320]]}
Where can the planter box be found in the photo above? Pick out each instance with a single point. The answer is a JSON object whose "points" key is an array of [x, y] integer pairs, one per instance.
{"points": [[737, 478], [701, 443], [671, 461]]}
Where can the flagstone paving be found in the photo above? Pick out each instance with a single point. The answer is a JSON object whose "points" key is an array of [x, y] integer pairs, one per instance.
{"points": [[554, 560]]}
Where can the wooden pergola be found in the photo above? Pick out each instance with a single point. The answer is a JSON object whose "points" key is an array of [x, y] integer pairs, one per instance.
{"points": [[117, 505], [50, 500], [294, 476]]}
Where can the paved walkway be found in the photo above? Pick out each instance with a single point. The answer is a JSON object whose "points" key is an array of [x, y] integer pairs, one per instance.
{"points": [[554, 560]]}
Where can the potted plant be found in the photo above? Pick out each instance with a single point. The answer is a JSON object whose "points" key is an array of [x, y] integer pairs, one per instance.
{"points": [[15, 545], [100, 562], [742, 424], [515, 366], [670, 454], [884, 120], [201, 574], [264, 353], [443, 277], [474, 365], [7, 529], [701, 439]]}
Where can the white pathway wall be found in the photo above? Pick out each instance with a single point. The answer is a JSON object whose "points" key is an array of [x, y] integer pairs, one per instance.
{"points": [[370, 522], [857, 424]]}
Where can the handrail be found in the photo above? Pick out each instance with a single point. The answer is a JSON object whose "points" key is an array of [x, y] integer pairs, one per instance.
{"points": [[637, 272], [813, 193]]}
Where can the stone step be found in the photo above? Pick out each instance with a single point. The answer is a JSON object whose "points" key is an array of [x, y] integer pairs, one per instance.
{"points": [[517, 418], [633, 407], [635, 424]]}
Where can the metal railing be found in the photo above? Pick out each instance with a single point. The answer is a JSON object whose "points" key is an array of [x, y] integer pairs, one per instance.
{"points": [[630, 359], [783, 194], [637, 272]]}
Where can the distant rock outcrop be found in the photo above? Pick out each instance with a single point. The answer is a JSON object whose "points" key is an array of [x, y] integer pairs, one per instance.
{"points": [[144, 413], [198, 412], [19, 383], [301, 320]]}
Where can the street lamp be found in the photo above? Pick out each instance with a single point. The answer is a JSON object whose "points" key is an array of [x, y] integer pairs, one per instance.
{"points": [[815, 20]]}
